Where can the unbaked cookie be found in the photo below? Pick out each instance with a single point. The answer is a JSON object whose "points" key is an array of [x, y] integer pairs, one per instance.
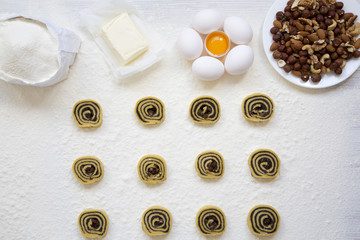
{"points": [[88, 169], [258, 107], [152, 169], [93, 223], [150, 110], [263, 220], [87, 114], [205, 109], [264, 163], [210, 164], [210, 220], [156, 221]]}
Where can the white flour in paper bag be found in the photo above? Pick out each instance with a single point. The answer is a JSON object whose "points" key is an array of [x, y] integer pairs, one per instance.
{"points": [[28, 50]]}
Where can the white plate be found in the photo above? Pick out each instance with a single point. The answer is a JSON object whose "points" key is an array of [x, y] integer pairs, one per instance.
{"points": [[329, 79]]}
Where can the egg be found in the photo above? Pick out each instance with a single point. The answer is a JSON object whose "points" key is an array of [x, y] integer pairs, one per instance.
{"points": [[239, 60], [208, 68], [190, 44], [238, 30], [207, 21]]}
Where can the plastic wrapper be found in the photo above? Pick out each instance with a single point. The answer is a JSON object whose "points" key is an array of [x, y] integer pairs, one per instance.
{"points": [[99, 14]]}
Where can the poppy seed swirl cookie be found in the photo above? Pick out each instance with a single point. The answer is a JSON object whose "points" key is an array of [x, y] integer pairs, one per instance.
{"points": [[258, 107], [264, 163], [263, 220], [209, 164], [156, 221], [205, 109], [150, 110], [88, 169], [87, 113], [210, 220], [93, 223], [152, 169]]}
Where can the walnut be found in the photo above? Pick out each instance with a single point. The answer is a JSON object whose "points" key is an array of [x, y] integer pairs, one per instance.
{"points": [[317, 46], [307, 21], [295, 5], [307, 3], [329, 2]]}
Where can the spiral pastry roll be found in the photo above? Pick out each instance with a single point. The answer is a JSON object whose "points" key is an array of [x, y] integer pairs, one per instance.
{"points": [[87, 114], [152, 169], [263, 220], [150, 110], [264, 163], [258, 107], [210, 220], [88, 169], [205, 109], [93, 223], [156, 221], [210, 164]]}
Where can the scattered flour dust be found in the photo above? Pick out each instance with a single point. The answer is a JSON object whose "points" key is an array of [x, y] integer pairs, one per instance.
{"points": [[28, 50]]}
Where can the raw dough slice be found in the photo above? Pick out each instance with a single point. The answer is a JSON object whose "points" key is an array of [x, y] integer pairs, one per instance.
{"points": [[152, 169], [93, 223], [88, 169], [150, 110], [210, 220], [205, 109], [258, 107], [210, 164], [156, 221], [263, 220], [87, 113], [264, 163]]}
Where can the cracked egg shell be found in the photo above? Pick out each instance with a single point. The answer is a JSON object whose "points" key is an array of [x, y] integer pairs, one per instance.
{"points": [[207, 21], [190, 44], [238, 30], [208, 68], [239, 60]]}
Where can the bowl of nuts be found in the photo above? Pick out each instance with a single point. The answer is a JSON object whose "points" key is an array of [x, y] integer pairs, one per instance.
{"points": [[313, 43]]}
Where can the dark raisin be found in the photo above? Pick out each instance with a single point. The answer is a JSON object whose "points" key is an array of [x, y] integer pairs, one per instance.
{"points": [[274, 30], [339, 5], [324, 10], [305, 13], [279, 15], [315, 77], [338, 71]]}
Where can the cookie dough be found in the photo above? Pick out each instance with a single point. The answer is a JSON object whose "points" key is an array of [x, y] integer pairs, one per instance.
{"points": [[263, 220], [258, 107], [264, 163], [88, 169], [93, 223], [87, 113], [152, 169], [156, 221], [205, 109], [150, 110], [209, 164], [210, 220]]}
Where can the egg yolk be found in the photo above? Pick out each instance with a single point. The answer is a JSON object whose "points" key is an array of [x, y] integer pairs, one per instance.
{"points": [[217, 43]]}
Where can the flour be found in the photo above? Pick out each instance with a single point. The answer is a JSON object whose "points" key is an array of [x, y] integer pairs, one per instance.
{"points": [[28, 50]]}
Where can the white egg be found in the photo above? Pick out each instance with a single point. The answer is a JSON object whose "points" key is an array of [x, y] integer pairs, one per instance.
{"points": [[190, 44], [239, 60], [207, 21], [208, 68], [238, 30]]}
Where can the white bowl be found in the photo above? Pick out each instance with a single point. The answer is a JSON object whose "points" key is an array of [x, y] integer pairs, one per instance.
{"points": [[329, 79]]}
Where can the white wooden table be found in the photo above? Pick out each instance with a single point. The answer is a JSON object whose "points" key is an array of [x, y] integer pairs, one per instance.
{"points": [[315, 132]]}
